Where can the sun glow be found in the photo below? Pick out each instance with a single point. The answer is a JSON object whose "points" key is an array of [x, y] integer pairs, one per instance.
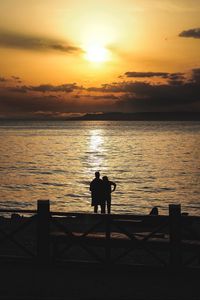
{"points": [[97, 53]]}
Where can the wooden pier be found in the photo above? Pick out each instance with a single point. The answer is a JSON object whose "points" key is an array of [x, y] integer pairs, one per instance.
{"points": [[48, 237]]}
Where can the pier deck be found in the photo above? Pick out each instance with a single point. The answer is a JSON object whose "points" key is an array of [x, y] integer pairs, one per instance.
{"points": [[48, 237]]}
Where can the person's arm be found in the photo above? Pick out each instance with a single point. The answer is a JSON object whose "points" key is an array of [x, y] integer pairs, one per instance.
{"points": [[114, 186]]}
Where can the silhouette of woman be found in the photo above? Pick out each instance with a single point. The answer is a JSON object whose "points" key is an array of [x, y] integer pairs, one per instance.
{"points": [[107, 190], [96, 186]]}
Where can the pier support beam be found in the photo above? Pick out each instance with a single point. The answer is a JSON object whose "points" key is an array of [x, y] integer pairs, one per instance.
{"points": [[43, 241], [108, 237], [175, 235]]}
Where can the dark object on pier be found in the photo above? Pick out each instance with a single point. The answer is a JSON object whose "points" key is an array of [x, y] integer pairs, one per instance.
{"points": [[154, 211], [15, 217]]}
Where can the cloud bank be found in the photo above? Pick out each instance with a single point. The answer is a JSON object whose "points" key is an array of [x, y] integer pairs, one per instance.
{"points": [[177, 92], [146, 74], [191, 33], [16, 40]]}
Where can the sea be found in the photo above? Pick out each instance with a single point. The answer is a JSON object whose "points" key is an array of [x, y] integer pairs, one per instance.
{"points": [[153, 163]]}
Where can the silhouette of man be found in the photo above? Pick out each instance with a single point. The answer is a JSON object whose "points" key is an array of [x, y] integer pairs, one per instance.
{"points": [[108, 188], [96, 193]]}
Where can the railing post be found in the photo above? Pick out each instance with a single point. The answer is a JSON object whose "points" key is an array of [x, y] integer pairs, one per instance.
{"points": [[108, 234], [43, 243], [175, 235]]}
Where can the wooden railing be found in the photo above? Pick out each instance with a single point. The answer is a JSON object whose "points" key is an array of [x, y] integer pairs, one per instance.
{"points": [[171, 241], [17, 234]]}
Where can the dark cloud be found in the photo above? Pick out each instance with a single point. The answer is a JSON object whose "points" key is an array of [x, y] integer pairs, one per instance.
{"points": [[191, 33], [178, 93], [196, 75], [176, 78], [67, 88], [34, 43], [115, 87], [45, 88], [69, 49], [16, 104], [105, 96], [131, 87], [111, 97], [28, 105], [162, 97], [15, 77], [12, 78], [146, 74], [17, 89], [172, 77], [175, 93]]}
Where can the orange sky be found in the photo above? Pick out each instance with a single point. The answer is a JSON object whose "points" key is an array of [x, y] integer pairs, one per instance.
{"points": [[92, 43]]}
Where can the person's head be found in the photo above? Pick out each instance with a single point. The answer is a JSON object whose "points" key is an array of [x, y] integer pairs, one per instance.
{"points": [[97, 175], [105, 178]]}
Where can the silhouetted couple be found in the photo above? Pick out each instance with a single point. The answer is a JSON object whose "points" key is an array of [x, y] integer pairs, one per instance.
{"points": [[101, 190]]}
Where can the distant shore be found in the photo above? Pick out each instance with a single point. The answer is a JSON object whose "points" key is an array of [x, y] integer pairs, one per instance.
{"points": [[145, 116], [119, 116]]}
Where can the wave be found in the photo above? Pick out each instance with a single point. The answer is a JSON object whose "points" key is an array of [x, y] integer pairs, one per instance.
{"points": [[54, 184], [73, 196]]}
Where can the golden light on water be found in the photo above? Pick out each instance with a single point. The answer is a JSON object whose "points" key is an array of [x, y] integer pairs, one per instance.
{"points": [[96, 140], [96, 145]]}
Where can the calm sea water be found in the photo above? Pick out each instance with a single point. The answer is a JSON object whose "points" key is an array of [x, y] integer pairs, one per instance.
{"points": [[152, 163]]}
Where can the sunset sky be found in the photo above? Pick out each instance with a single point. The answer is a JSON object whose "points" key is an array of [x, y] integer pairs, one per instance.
{"points": [[64, 57]]}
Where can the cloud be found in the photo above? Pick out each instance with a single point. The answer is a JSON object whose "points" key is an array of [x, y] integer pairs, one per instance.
{"points": [[12, 78], [176, 78], [46, 88], [99, 97], [172, 77], [196, 75], [17, 89], [16, 78], [2, 79], [14, 105], [67, 88], [161, 97], [191, 33], [178, 93], [35, 43], [23, 104], [130, 86], [146, 74], [115, 87]]}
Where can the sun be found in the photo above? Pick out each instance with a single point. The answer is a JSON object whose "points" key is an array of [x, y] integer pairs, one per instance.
{"points": [[97, 54]]}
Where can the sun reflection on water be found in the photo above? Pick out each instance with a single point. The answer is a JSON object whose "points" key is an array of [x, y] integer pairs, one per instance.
{"points": [[96, 140], [96, 145]]}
